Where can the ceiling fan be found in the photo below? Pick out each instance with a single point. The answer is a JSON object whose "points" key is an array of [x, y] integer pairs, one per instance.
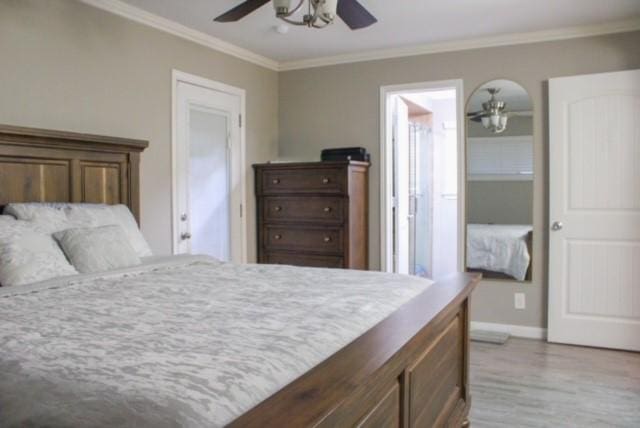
{"points": [[494, 115], [319, 13]]}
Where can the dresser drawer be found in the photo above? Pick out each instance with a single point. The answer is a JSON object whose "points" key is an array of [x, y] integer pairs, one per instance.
{"points": [[316, 180], [308, 260], [317, 240], [324, 209]]}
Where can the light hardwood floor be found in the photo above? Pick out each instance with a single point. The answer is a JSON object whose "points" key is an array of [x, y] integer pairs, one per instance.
{"points": [[529, 383]]}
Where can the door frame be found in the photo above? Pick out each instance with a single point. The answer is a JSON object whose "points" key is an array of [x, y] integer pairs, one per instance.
{"points": [[386, 180], [180, 76]]}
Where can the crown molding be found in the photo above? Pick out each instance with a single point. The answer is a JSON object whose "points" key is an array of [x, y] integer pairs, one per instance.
{"points": [[133, 13], [460, 45]]}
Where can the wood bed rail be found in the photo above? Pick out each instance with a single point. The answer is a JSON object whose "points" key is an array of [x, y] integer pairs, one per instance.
{"points": [[409, 370]]}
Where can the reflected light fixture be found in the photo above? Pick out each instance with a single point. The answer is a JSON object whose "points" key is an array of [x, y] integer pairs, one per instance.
{"points": [[494, 118]]}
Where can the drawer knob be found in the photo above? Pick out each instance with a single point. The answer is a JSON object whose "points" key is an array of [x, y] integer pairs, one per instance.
{"points": [[327, 239], [277, 208], [277, 237], [328, 209], [326, 180], [276, 181]]}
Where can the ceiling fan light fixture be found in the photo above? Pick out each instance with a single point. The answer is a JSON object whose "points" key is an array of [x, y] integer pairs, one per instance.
{"points": [[328, 9], [320, 13], [282, 7], [316, 14]]}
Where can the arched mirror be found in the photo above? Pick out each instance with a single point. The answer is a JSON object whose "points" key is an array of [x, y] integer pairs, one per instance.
{"points": [[499, 187]]}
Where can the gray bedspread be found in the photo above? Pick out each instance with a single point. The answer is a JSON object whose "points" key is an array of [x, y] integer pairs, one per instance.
{"points": [[188, 341]]}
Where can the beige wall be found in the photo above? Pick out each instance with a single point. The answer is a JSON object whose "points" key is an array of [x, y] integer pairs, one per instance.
{"points": [[500, 202], [339, 106], [69, 66]]}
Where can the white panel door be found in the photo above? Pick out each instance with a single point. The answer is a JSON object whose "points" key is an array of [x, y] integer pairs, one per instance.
{"points": [[401, 186], [208, 173], [594, 244]]}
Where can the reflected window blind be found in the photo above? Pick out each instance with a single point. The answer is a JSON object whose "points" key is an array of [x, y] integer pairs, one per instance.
{"points": [[500, 157]]}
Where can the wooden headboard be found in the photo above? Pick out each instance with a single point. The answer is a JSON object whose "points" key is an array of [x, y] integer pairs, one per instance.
{"points": [[38, 165]]}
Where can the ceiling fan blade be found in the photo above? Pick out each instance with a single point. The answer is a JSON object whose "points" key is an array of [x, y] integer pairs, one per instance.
{"points": [[242, 10], [354, 14], [475, 113], [476, 116]]}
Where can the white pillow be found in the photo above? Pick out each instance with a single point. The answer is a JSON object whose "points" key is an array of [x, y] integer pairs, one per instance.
{"points": [[128, 223], [97, 249], [56, 217], [29, 254], [48, 217]]}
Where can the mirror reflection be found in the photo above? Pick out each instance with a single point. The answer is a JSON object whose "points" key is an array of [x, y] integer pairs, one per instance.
{"points": [[500, 181]]}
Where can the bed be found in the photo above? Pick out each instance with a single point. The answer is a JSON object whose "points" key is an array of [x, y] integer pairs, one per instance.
{"points": [[500, 250], [190, 341]]}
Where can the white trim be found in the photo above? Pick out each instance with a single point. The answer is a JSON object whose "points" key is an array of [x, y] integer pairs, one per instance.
{"points": [[512, 329], [133, 13], [462, 177], [476, 43], [180, 76], [385, 179]]}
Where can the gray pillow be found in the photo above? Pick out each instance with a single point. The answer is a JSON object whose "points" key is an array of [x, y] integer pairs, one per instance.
{"points": [[59, 216], [97, 249], [28, 254]]}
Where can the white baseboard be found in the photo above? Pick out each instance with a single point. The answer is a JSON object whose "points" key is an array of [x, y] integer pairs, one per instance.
{"points": [[513, 330]]}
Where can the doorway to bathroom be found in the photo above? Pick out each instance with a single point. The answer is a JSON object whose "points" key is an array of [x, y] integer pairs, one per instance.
{"points": [[421, 191]]}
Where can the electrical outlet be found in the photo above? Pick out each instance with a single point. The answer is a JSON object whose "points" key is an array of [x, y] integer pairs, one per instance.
{"points": [[520, 302]]}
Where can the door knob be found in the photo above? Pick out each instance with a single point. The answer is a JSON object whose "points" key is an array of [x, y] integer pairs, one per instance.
{"points": [[184, 217], [557, 225], [185, 236]]}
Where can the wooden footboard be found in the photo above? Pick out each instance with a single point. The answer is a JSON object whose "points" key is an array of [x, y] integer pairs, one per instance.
{"points": [[411, 370]]}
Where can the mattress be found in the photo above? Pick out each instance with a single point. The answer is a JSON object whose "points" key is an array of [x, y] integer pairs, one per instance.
{"points": [[182, 341], [499, 248]]}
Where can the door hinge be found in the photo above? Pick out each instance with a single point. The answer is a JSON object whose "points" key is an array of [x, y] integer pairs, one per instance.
{"points": [[240, 120], [241, 211]]}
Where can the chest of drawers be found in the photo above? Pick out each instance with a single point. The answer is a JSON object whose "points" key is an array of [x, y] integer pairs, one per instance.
{"points": [[313, 214]]}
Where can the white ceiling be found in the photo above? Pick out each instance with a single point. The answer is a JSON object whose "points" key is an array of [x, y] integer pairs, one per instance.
{"points": [[402, 23]]}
